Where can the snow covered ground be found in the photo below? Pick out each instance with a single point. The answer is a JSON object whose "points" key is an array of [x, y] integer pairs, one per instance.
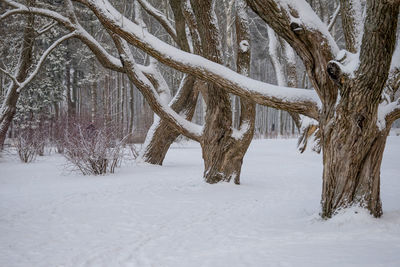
{"points": [[167, 216]]}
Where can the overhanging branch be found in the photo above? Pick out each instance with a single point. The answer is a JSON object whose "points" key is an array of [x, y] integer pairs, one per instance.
{"points": [[295, 100]]}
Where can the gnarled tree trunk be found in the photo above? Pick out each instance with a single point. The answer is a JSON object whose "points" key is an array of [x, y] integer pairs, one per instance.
{"points": [[352, 142], [224, 147], [161, 135]]}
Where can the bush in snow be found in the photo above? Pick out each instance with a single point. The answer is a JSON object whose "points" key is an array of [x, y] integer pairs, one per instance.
{"points": [[91, 150], [29, 143]]}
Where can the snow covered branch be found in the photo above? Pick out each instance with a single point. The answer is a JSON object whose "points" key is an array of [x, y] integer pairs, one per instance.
{"points": [[107, 60], [22, 84], [352, 20], [46, 28], [298, 24], [158, 105], [160, 17], [12, 77], [296, 100], [334, 18]]}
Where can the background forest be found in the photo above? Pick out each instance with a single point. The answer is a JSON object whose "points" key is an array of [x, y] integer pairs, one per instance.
{"points": [[74, 85]]}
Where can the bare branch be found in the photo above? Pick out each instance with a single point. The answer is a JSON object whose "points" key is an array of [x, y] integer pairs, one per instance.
{"points": [[46, 28], [334, 18], [160, 17], [43, 58], [12, 77], [296, 100], [187, 128]]}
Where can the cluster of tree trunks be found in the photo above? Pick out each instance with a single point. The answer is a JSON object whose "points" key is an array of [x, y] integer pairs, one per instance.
{"points": [[346, 83]]}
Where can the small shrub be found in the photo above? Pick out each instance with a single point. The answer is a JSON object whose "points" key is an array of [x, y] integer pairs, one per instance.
{"points": [[28, 143], [92, 151]]}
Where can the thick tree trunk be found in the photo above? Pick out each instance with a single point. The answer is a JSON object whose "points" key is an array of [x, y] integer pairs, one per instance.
{"points": [[161, 135], [352, 143], [352, 159], [224, 148], [216, 141]]}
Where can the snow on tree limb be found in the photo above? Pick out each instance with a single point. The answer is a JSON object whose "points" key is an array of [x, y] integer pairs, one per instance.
{"points": [[352, 21], [159, 106], [291, 99], [299, 25], [334, 18], [12, 77], [160, 17], [33, 74], [296, 100], [145, 73], [46, 28], [107, 60]]}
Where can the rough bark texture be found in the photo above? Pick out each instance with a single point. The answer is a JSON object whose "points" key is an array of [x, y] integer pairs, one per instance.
{"points": [[352, 144], [351, 141], [216, 137], [9, 106], [247, 107], [161, 134]]}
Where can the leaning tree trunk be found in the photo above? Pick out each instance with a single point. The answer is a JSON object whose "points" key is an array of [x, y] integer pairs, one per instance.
{"points": [[161, 135], [9, 106]]}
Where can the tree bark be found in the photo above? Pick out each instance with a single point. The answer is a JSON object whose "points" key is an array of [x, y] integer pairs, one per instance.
{"points": [[161, 135], [352, 143], [9, 106]]}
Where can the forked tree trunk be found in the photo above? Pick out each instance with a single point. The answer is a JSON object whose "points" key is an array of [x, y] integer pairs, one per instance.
{"points": [[352, 143], [223, 150], [161, 135]]}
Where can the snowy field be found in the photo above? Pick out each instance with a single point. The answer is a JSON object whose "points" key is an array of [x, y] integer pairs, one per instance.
{"points": [[167, 216]]}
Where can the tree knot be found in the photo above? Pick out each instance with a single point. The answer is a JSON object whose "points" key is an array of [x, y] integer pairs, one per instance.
{"points": [[296, 28]]}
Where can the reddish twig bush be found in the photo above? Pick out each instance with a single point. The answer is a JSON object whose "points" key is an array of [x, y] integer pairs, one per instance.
{"points": [[29, 143], [92, 151]]}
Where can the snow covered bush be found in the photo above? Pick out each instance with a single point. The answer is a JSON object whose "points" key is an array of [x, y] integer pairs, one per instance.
{"points": [[91, 150]]}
